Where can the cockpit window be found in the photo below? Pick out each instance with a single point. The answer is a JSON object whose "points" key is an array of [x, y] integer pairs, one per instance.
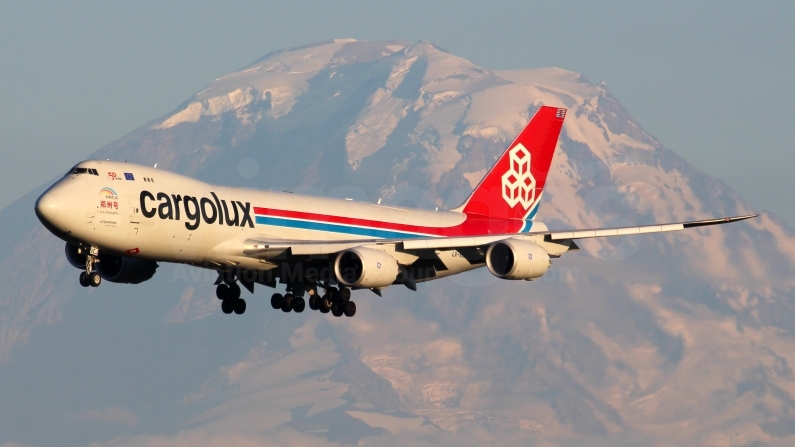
{"points": [[77, 170]]}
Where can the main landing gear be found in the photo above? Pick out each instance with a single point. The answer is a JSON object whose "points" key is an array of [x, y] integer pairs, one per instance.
{"points": [[288, 302], [229, 294], [89, 277], [336, 301]]}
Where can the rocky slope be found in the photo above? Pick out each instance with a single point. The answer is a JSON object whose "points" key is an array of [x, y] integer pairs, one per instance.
{"points": [[650, 340]]}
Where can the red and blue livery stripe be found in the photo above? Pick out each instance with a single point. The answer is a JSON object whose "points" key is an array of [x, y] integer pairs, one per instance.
{"points": [[473, 225]]}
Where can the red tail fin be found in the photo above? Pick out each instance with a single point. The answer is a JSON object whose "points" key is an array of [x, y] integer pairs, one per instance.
{"points": [[512, 188]]}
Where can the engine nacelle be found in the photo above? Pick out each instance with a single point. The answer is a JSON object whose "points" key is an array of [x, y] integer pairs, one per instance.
{"points": [[78, 260], [365, 268], [517, 259], [122, 269]]}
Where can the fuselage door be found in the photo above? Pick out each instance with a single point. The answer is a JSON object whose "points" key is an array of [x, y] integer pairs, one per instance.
{"points": [[135, 216]]}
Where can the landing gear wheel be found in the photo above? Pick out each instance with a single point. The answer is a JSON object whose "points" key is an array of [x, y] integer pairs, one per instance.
{"points": [[336, 310], [234, 292], [313, 302], [277, 301], [240, 306], [84, 279], [323, 308], [94, 280], [350, 308], [227, 306], [287, 304], [345, 294], [222, 291], [299, 304]]}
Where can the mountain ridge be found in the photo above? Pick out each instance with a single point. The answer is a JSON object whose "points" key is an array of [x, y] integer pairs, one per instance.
{"points": [[680, 338]]}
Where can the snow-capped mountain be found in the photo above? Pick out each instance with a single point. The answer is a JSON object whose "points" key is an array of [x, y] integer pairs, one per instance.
{"points": [[679, 339]]}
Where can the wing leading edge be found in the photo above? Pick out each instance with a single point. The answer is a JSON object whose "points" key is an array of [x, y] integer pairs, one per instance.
{"points": [[275, 248], [602, 232]]}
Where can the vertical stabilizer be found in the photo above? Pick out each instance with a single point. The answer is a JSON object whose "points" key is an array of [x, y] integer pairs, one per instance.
{"points": [[512, 188]]}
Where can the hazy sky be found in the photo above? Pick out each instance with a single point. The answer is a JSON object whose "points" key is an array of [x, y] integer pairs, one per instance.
{"points": [[712, 80]]}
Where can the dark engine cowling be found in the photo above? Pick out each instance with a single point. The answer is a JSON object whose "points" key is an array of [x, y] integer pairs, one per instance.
{"points": [[126, 270], [78, 260], [365, 268], [119, 269], [517, 259]]}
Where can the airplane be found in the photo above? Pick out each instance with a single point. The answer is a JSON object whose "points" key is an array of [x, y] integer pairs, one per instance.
{"points": [[120, 219]]}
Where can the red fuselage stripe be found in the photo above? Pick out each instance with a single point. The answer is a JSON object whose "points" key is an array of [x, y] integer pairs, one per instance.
{"points": [[472, 225]]}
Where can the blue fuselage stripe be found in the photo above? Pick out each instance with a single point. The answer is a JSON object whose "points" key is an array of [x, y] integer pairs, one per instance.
{"points": [[334, 228]]}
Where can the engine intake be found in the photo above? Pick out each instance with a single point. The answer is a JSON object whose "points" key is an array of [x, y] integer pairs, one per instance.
{"points": [[517, 259], [365, 268], [78, 260], [122, 269]]}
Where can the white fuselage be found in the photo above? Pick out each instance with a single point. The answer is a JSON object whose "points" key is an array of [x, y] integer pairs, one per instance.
{"points": [[129, 209]]}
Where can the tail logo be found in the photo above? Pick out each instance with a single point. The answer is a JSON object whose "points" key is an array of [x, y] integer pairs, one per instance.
{"points": [[518, 184]]}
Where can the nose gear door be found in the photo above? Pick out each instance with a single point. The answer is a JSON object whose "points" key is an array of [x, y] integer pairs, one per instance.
{"points": [[135, 217]]}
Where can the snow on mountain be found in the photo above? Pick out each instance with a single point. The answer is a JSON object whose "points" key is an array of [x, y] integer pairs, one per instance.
{"points": [[670, 339]]}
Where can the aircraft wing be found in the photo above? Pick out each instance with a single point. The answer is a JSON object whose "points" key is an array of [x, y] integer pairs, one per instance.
{"points": [[276, 248], [601, 232]]}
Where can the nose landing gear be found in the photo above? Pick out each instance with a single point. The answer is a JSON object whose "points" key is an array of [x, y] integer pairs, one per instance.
{"points": [[89, 277]]}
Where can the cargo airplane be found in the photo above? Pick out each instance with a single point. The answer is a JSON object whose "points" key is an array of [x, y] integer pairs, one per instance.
{"points": [[120, 219]]}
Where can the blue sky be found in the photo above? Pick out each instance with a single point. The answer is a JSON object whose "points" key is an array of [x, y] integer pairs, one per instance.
{"points": [[711, 79]]}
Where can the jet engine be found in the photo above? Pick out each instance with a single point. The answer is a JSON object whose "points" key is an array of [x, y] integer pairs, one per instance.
{"points": [[119, 269], [517, 259], [122, 269], [78, 260], [365, 268]]}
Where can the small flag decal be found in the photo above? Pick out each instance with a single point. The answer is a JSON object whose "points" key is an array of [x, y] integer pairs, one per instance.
{"points": [[129, 176]]}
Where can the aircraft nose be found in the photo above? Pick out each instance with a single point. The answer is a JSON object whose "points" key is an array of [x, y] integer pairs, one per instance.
{"points": [[47, 206], [63, 208]]}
